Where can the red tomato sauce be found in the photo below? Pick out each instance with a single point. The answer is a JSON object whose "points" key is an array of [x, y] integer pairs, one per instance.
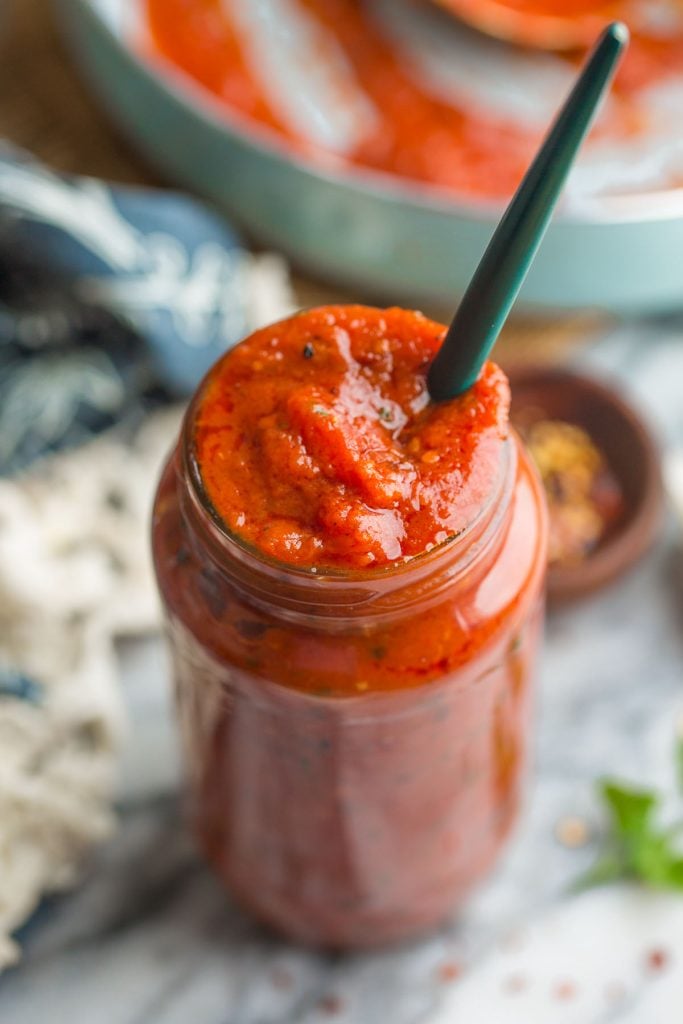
{"points": [[543, 24], [563, 8], [416, 134], [318, 444], [356, 741]]}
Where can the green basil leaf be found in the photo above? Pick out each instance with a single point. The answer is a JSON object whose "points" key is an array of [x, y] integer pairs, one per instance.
{"points": [[608, 868], [652, 859], [631, 809], [635, 846], [674, 878]]}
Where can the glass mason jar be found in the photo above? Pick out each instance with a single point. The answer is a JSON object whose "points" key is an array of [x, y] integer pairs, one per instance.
{"points": [[356, 742]]}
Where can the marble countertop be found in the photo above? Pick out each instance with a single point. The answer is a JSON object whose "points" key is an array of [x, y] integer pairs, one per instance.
{"points": [[150, 937]]}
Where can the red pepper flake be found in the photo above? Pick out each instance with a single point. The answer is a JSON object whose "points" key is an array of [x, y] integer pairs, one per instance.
{"points": [[565, 990], [572, 832], [515, 984], [449, 971], [331, 1005], [585, 500], [657, 960]]}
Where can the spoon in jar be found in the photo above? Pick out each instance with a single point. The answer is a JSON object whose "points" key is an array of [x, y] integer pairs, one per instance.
{"points": [[501, 272], [546, 28]]}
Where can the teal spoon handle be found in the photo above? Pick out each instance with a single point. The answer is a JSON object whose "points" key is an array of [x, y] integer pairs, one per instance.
{"points": [[489, 297]]}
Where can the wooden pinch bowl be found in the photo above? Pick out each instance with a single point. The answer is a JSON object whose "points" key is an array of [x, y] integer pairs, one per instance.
{"points": [[629, 450]]}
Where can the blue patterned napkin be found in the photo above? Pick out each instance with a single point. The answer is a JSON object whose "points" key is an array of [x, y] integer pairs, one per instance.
{"points": [[112, 299]]}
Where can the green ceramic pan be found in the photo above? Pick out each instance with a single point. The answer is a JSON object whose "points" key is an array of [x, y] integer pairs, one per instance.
{"points": [[387, 239]]}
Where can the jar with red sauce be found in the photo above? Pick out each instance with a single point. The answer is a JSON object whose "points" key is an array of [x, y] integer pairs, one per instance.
{"points": [[352, 578]]}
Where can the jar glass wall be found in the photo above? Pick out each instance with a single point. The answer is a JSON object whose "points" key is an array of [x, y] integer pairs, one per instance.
{"points": [[356, 742]]}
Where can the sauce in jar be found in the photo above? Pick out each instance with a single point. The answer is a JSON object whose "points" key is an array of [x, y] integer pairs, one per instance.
{"points": [[317, 442], [352, 578]]}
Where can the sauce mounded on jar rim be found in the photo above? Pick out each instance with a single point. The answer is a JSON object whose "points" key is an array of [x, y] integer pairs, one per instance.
{"points": [[352, 577]]}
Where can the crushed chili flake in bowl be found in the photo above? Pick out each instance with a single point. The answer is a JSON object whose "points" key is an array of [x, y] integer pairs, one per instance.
{"points": [[585, 500], [601, 472]]}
